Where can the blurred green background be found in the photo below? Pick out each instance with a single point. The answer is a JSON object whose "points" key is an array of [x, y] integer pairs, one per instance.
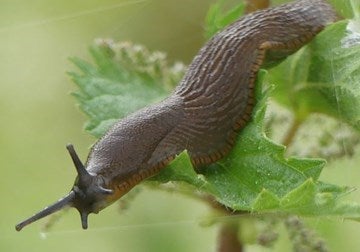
{"points": [[39, 116]]}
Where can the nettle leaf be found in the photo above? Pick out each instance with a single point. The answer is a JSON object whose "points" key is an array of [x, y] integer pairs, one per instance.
{"points": [[257, 177], [126, 78], [324, 77]]}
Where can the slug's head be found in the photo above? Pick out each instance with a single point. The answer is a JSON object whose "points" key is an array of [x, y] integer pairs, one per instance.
{"points": [[88, 195]]}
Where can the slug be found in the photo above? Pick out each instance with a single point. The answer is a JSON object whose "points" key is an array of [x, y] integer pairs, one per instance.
{"points": [[210, 105]]}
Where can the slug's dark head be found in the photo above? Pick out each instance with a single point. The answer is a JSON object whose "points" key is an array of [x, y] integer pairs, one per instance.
{"points": [[88, 195]]}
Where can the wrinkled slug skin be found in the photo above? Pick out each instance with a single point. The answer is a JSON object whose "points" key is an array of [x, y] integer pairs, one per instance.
{"points": [[213, 101]]}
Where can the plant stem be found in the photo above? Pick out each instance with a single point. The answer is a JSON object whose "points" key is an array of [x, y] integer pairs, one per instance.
{"points": [[289, 138], [228, 238]]}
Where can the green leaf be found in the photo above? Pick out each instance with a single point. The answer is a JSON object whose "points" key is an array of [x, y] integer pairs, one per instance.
{"points": [[126, 78], [216, 19], [324, 77], [346, 8]]}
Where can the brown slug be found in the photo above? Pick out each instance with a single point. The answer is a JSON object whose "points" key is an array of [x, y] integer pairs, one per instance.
{"points": [[213, 101]]}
